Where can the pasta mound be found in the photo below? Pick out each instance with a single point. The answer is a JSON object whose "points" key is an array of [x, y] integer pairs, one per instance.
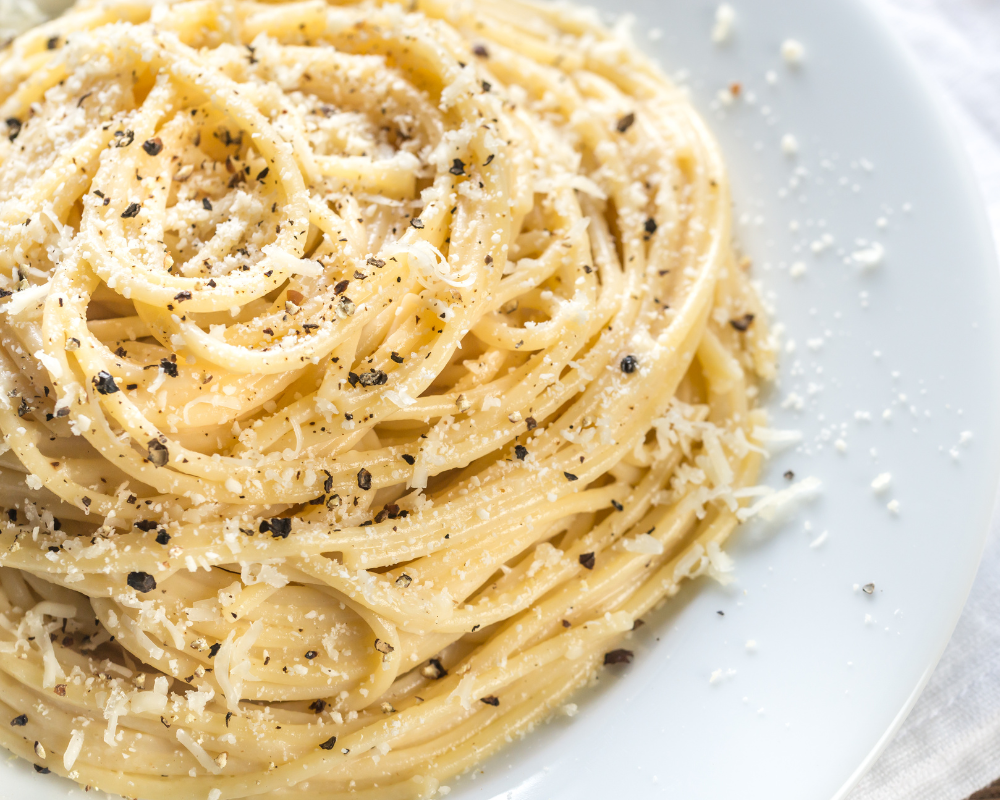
{"points": [[367, 370]]}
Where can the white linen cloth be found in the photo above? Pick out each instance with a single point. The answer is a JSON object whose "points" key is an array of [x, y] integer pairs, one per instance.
{"points": [[949, 746]]}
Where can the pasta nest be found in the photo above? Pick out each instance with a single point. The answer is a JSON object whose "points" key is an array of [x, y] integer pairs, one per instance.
{"points": [[367, 371]]}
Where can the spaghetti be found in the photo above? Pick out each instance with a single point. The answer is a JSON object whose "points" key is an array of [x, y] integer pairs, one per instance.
{"points": [[368, 370]]}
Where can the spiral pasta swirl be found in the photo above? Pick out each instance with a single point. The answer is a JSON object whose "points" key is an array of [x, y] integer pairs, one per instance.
{"points": [[367, 370]]}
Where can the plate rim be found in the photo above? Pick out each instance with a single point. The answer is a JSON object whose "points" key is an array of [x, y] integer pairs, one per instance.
{"points": [[935, 105]]}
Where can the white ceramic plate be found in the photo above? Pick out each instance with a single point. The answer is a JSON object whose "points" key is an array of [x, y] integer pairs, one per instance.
{"points": [[834, 669]]}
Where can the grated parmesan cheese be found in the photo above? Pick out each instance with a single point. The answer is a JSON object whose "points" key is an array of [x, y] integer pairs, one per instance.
{"points": [[430, 265], [232, 668], [73, 749], [198, 699], [869, 257], [26, 298], [51, 669], [792, 52], [51, 363], [720, 564], [881, 482], [199, 752], [644, 544], [115, 707], [725, 15], [464, 690], [147, 702], [775, 438], [768, 505]]}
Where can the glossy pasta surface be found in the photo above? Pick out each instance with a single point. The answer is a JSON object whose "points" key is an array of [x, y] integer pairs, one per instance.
{"points": [[368, 370]]}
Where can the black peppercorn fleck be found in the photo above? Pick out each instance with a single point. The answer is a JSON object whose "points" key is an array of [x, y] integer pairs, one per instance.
{"points": [[629, 364], [157, 452], [104, 383], [742, 323], [141, 581], [279, 527], [374, 377], [618, 657]]}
